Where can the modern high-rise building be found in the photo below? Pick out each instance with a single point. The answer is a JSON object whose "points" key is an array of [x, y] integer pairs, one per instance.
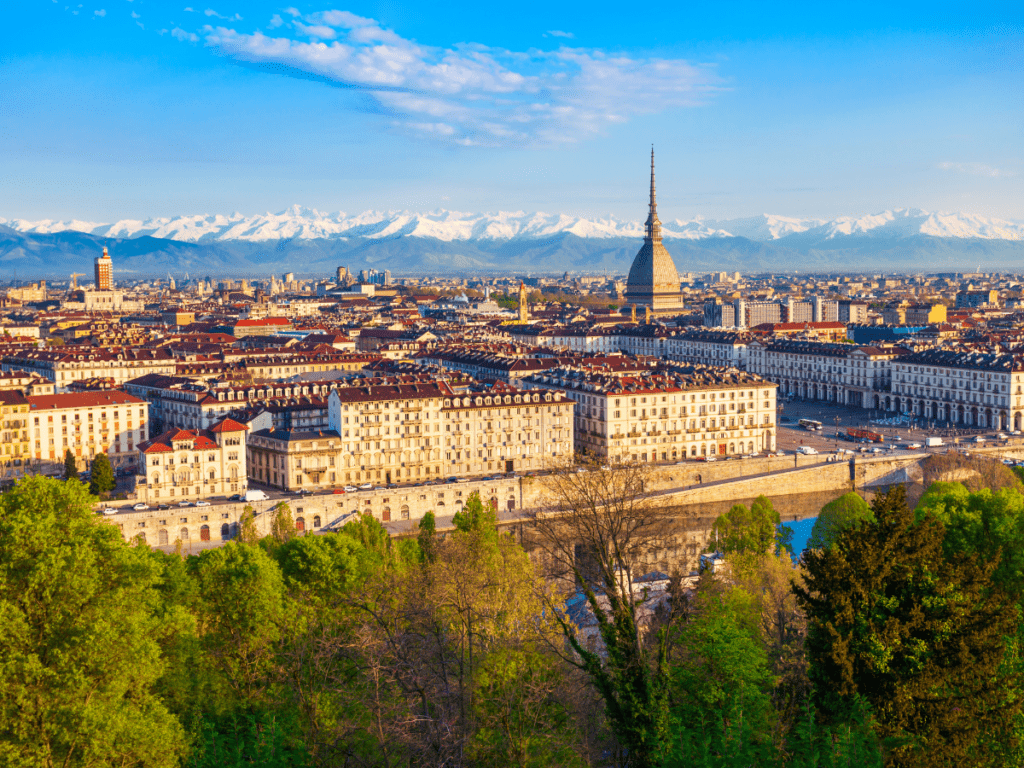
{"points": [[104, 272]]}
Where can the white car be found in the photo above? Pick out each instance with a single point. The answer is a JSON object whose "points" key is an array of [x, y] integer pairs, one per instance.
{"points": [[366, 487], [350, 489], [140, 507], [202, 503], [184, 503], [913, 446], [109, 511]]}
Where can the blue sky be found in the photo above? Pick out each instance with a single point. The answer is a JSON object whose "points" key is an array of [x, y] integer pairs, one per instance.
{"points": [[116, 109]]}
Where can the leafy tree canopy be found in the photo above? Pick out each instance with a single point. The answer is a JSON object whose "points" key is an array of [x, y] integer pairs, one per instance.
{"points": [[754, 531], [80, 646], [847, 511], [987, 524], [919, 636], [101, 476], [70, 466]]}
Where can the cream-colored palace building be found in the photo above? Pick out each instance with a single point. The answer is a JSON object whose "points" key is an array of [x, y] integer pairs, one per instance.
{"points": [[679, 413]]}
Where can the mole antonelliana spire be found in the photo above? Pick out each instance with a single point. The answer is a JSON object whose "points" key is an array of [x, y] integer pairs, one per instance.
{"points": [[653, 281], [653, 223]]}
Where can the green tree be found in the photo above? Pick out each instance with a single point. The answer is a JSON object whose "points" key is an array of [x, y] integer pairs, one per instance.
{"points": [[101, 476], [721, 676], [519, 718], [987, 524], [427, 536], [80, 646], [599, 540], [848, 511], [247, 533], [755, 531], [240, 619], [475, 515], [282, 526], [70, 466], [920, 637]]}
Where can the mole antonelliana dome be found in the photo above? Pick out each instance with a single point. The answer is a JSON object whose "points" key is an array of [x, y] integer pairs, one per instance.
{"points": [[653, 280]]}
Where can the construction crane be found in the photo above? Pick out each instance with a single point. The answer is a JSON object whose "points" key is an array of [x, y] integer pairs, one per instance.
{"points": [[74, 279]]}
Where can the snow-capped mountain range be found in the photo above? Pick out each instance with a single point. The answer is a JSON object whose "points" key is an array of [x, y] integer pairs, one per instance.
{"points": [[452, 226]]}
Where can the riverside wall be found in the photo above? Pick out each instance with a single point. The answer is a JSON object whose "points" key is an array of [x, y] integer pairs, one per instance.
{"points": [[688, 486]]}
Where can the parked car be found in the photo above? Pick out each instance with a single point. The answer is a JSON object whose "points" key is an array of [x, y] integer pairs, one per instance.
{"points": [[366, 487], [235, 497], [350, 489], [184, 503], [255, 496], [109, 511], [202, 503], [913, 446], [163, 506], [338, 491], [140, 507]]}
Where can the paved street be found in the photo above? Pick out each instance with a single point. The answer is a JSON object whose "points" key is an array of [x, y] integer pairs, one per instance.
{"points": [[840, 418]]}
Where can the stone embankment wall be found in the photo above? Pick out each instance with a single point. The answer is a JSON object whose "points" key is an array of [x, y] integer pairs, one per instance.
{"points": [[684, 485]]}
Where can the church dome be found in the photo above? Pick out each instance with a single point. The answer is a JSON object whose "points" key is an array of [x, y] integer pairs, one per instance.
{"points": [[653, 279]]}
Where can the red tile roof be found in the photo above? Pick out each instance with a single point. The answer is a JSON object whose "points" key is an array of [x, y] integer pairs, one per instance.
{"points": [[228, 425], [82, 400]]}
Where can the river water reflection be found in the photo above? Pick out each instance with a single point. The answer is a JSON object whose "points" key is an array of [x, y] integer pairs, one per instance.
{"points": [[695, 524]]}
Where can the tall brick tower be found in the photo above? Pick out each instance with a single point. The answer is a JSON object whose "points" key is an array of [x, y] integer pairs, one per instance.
{"points": [[104, 272]]}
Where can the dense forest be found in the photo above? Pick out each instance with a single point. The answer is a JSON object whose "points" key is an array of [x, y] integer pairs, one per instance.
{"points": [[895, 641]]}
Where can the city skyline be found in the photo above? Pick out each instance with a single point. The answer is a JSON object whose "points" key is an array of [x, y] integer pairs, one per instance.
{"points": [[138, 110]]}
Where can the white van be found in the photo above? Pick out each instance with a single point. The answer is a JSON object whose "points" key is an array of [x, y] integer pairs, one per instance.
{"points": [[255, 496], [806, 450]]}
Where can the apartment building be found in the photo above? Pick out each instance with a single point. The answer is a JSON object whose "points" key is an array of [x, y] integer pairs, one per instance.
{"points": [[187, 465], [835, 373], [87, 423], [966, 388], [482, 364], [26, 383], [394, 431], [16, 450], [178, 401], [293, 459], [281, 365], [506, 429], [682, 412], [65, 366], [698, 346], [389, 431]]}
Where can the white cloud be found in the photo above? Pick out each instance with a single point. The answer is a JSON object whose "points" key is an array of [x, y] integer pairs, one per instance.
{"points": [[293, 11], [315, 30], [211, 12], [141, 25], [182, 35], [275, 21], [470, 93], [559, 33], [100, 12], [977, 169], [135, 15], [190, 9]]}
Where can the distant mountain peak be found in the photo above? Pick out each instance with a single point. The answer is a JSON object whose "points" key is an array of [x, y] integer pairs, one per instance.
{"points": [[302, 223]]}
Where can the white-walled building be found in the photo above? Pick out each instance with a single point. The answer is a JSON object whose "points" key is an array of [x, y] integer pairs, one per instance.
{"points": [[87, 423], [187, 465]]}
